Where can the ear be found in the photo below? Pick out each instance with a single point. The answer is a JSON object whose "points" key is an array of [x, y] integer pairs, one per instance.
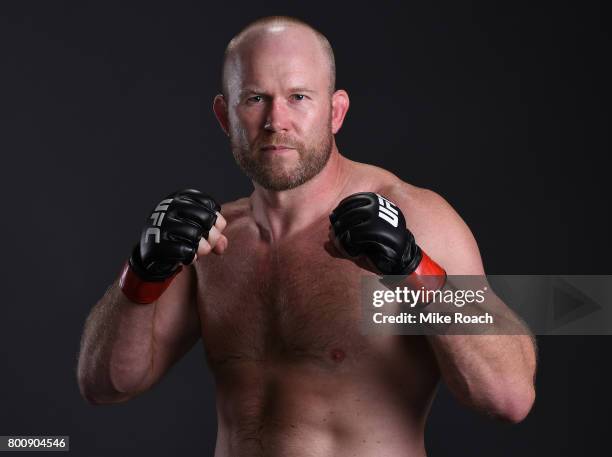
{"points": [[220, 109], [340, 105]]}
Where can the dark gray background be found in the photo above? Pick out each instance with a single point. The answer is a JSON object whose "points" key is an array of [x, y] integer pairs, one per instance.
{"points": [[501, 107]]}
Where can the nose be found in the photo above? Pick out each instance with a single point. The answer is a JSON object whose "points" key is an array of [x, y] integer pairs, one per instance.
{"points": [[277, 118]]}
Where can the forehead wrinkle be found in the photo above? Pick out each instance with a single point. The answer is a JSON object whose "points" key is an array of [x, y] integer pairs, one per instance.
{"points": [[266, 73]]}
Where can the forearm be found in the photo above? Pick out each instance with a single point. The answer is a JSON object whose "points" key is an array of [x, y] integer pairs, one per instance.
{"points": [[116, 355], [493, 372], [490, 373]]}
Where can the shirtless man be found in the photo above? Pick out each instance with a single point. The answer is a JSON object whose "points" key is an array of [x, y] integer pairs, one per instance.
{"points": [[277, 308]]}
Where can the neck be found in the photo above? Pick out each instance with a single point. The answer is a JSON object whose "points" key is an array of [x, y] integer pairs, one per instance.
{"points": [[283, 213]]}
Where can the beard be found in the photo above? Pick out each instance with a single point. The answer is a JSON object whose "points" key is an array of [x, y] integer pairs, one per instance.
{"points": [[273, 173]]}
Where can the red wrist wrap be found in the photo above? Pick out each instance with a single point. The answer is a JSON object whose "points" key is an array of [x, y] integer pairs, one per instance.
{"points": [[428, 275], [140, 291]]}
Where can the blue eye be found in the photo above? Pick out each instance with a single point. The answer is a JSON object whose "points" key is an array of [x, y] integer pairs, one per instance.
{"points": [[255, 99], [298, 97]]}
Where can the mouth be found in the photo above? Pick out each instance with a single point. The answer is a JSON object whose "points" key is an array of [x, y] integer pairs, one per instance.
{"points": [[276, 148]]}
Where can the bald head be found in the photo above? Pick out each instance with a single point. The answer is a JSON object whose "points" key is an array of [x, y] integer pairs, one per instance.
{"points": [[286, 34], [279, 106]]}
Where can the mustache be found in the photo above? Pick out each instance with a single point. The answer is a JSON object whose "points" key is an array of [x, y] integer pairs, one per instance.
{"points": [[277, 140]]}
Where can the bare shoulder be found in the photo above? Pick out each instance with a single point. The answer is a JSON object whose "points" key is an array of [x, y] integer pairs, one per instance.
{"points": [[409, 197], [421, 205], [437, 227], [413, 200]]}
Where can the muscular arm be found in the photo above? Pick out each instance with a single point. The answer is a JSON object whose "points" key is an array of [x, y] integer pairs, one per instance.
{"points": [[127, 347], [493, 374]]}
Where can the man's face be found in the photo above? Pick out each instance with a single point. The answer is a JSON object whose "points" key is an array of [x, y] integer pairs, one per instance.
{"points": [[279, 109]]}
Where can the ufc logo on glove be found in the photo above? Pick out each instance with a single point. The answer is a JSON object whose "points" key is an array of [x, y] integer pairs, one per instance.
{"points": [[387, 210], [158, 217]]}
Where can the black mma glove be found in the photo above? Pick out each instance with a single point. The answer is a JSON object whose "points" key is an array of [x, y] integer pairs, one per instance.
{"points": [[170, 238]]}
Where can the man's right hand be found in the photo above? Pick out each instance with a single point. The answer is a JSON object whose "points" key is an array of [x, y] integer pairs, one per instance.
{"points": [[182, 226]]}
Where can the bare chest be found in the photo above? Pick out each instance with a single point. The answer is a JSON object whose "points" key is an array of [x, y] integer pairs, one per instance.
{"points": [[283, 303]]}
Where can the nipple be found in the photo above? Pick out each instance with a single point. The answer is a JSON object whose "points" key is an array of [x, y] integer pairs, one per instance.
{"points": [[337, 355]]}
